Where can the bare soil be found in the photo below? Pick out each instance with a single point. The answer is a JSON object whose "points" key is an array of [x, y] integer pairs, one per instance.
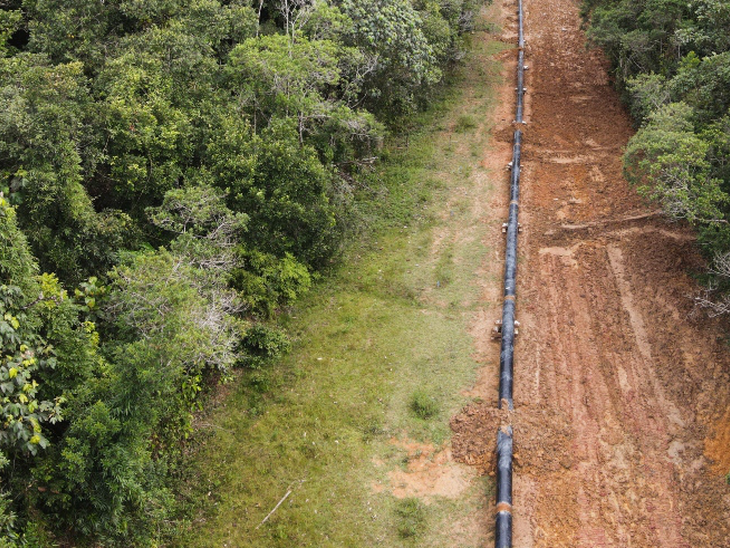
{"points": [[622, 388]]}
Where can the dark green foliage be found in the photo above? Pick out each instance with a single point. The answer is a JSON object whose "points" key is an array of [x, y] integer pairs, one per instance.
{"points": [[704, 84], [670, 163], [102, 480], [181, 170], [390, 34], [48, 352], [18, 266], [42, 136], [638, 37], [263, 343], [266, 282], [672, 61], [284, 189]]}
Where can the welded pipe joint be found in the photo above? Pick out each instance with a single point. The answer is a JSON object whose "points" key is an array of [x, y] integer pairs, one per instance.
{"points": [[503, 518]]}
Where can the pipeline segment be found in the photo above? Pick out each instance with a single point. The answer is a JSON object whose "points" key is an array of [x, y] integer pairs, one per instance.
{"points": [[520, 86], [520, 63], [503, 518], [506, 355], [503, 531], [510, 269], [510, 275]]}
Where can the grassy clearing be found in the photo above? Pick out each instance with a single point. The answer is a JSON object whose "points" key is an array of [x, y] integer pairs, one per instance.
{"points": [[380, 358]]}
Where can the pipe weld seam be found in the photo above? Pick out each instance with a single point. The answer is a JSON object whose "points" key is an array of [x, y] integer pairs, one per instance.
{"points": [[503, 507]]}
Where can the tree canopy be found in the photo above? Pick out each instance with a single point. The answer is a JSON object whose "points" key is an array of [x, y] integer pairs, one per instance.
{"points": [[172, 172], [671, 61]]}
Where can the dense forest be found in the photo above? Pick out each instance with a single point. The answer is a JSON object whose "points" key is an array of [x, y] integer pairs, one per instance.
{"points": [[671, 62], [172, 173]]}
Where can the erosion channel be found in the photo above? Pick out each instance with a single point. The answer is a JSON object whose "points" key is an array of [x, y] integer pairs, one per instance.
{"points": [[621, 386]]}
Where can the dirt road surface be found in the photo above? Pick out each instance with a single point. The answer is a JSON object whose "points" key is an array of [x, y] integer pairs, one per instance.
{"points": [[622, 428]]}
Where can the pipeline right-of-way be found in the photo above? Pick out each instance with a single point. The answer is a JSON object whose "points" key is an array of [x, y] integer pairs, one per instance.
{"points": [[503, 520]]}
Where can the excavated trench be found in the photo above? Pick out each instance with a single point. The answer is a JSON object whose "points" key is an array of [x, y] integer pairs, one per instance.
{"points": [[621, 388]]}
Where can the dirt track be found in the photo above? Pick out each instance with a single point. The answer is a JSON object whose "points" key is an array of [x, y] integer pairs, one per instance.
{"points": [[621, 387]]}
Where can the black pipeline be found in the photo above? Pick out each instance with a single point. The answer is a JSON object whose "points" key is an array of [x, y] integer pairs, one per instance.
{"points": [[520, 85], [510, 268], [520, 63], [503, 531], [503, 519], [510, 274]]}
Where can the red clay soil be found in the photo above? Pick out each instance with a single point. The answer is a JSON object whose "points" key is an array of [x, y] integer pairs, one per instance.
{"points": [[621, 421]]}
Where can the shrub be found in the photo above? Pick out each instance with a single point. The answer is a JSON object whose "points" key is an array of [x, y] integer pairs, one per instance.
{"points": [[262, 343], [423, 404]]}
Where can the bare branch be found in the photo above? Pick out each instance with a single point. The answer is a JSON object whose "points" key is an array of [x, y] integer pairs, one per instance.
{"points": [[714, 301]]}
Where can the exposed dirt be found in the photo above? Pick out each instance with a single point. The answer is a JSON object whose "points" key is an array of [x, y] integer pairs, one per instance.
{"points": [[621, 387], [428, 472]]}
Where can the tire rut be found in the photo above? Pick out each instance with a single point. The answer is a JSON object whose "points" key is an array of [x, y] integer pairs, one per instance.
{"points": [[618, 381]]}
